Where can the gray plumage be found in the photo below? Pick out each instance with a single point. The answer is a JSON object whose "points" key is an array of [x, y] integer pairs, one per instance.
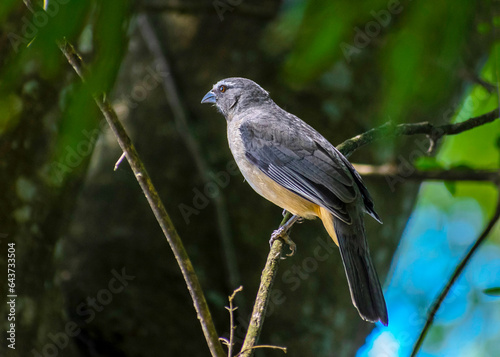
{"points": [[266, 139]]}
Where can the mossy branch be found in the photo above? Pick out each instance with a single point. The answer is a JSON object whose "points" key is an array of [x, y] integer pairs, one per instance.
{"points": [[433, 132], [262, 300]]}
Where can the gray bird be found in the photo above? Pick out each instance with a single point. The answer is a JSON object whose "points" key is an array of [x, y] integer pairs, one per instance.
{"points": [[290, 164]]}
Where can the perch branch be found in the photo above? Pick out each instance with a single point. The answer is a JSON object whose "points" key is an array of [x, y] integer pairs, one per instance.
{"points": [[432, 131], [263, 295], [263, 346], [156, 204], [458, 270], [456, 174]]}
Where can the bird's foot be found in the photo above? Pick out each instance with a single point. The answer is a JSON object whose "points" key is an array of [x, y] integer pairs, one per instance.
{"points": [[282, 233]]}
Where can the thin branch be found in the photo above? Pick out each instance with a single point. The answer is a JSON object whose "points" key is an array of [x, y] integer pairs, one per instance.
{"points": [[432, 131], [231, 310], [263, 346], [263, 295], [119, 161], [157, 207], [181, 121], [456, 174], [474, 78], [458, 270]]}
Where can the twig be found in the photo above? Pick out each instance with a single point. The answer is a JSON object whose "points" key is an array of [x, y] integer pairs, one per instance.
{"points": [[471, 76], [180, 118], [262, 300], [433, 132], [458, 270], [456, 174], [157, 207], [263, 346], [119, 161], [231, 309]]}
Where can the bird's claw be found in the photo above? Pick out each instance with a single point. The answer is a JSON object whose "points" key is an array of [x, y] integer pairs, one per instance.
{"points": [[283, 234], [291, 245]]}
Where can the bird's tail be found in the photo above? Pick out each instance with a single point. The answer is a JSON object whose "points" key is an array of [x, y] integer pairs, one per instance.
{"points": [[366, 293]]}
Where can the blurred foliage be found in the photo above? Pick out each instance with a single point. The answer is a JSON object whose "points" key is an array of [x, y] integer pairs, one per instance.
{"points": [[110, 20], [446, 222], [476, 148], [34, 50], [415, 74], [316, 46]]}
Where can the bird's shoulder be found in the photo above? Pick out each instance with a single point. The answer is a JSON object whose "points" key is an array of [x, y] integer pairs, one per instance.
{"points": [[288, 133], [274, 126]]}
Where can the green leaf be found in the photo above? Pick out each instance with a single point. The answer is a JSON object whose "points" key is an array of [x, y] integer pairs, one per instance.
{"points": [[320, 42], [413, 83], [427, 163], [451, 186], [461, 167], [492, 291]]}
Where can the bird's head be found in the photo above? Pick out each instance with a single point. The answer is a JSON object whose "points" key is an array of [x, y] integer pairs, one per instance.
{"points": [[235, 95]]}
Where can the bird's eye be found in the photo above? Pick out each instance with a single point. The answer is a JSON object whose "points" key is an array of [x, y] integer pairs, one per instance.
{"points": [[222, 88]]}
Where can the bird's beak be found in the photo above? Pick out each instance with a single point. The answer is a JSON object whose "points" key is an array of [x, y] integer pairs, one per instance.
{"points": [[209, 98]]}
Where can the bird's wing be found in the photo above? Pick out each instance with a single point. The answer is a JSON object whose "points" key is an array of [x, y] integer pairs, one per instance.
{"points": [[294, 155], [367, 200]]}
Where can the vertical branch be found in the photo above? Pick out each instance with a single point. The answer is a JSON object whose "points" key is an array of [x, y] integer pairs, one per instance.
{"points": [[262, 299], [157, 207], [263, 295]]}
